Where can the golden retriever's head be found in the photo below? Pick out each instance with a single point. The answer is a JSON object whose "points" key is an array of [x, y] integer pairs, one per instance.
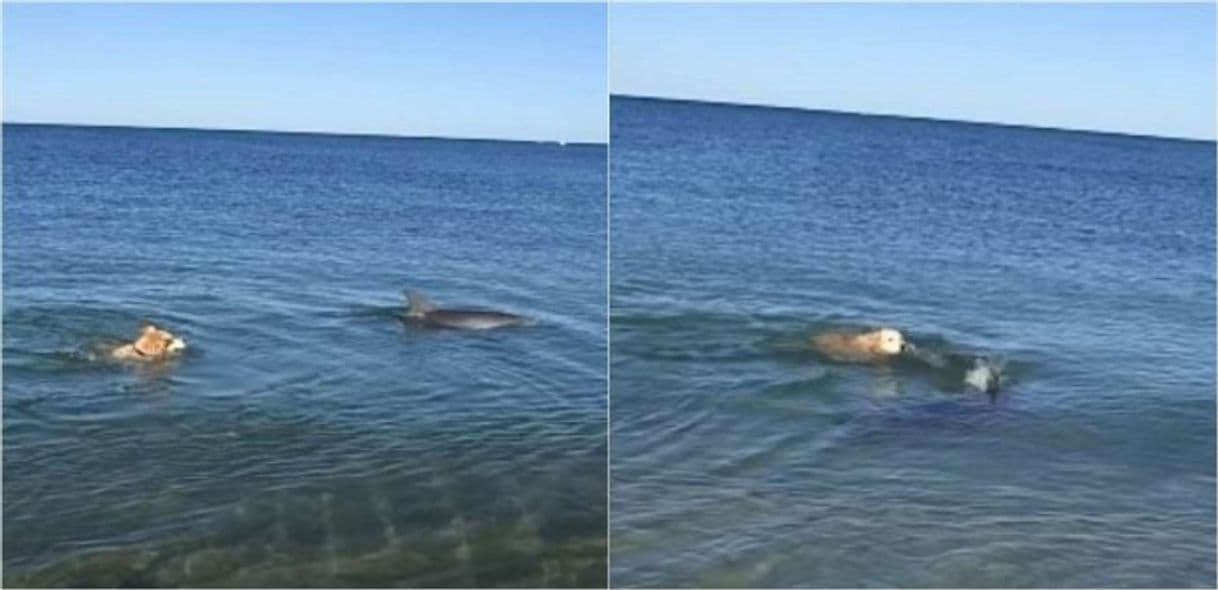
{"points": [[889, 342], [155, 342]]}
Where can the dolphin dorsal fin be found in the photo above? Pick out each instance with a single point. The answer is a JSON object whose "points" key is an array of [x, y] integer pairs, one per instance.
{"points": [[417, 304]]}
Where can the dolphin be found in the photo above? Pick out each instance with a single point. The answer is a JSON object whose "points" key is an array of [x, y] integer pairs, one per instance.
{"points": [[421, 312]]}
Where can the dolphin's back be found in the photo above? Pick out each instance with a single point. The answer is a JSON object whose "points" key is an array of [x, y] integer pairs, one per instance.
{"points": [[470, 319], [422, 312]]}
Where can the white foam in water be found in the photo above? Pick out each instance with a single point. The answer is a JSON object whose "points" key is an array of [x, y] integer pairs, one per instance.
{"points": [[984, 375]]}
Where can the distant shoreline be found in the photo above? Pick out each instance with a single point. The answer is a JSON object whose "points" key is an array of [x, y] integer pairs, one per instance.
{"points": [[707, 102], [315, 133]]}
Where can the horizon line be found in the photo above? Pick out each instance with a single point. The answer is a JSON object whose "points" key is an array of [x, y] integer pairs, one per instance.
{"points": [[362, 134], [760, 105]]}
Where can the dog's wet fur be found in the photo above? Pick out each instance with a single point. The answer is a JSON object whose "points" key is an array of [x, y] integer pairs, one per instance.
{"points": [[860, 347], [152, 344]]}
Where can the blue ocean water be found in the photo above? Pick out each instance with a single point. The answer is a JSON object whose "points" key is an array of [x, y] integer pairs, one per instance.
{"points": [[308, 437], [1078, 266]]}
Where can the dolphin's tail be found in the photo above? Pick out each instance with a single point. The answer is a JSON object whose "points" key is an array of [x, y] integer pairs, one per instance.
{"points": [[417, 304]]}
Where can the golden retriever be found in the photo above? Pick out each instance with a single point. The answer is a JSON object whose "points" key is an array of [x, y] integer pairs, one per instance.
{"points": [[153, 344], [866, 347]]}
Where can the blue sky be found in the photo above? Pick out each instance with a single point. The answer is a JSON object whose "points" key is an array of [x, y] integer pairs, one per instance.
{"points": [[1146, 69], [489, 71]]}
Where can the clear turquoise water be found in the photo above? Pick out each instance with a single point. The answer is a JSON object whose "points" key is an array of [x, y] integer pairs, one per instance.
{"points": [[1084, 262], [308, 437]]}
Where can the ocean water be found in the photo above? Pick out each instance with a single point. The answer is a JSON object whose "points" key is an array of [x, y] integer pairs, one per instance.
{"points": [[1076, 268], [308, 437]]}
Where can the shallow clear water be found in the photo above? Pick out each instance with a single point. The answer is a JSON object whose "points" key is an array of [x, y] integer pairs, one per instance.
{"points": [[308, 436], [1080, 263]]}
